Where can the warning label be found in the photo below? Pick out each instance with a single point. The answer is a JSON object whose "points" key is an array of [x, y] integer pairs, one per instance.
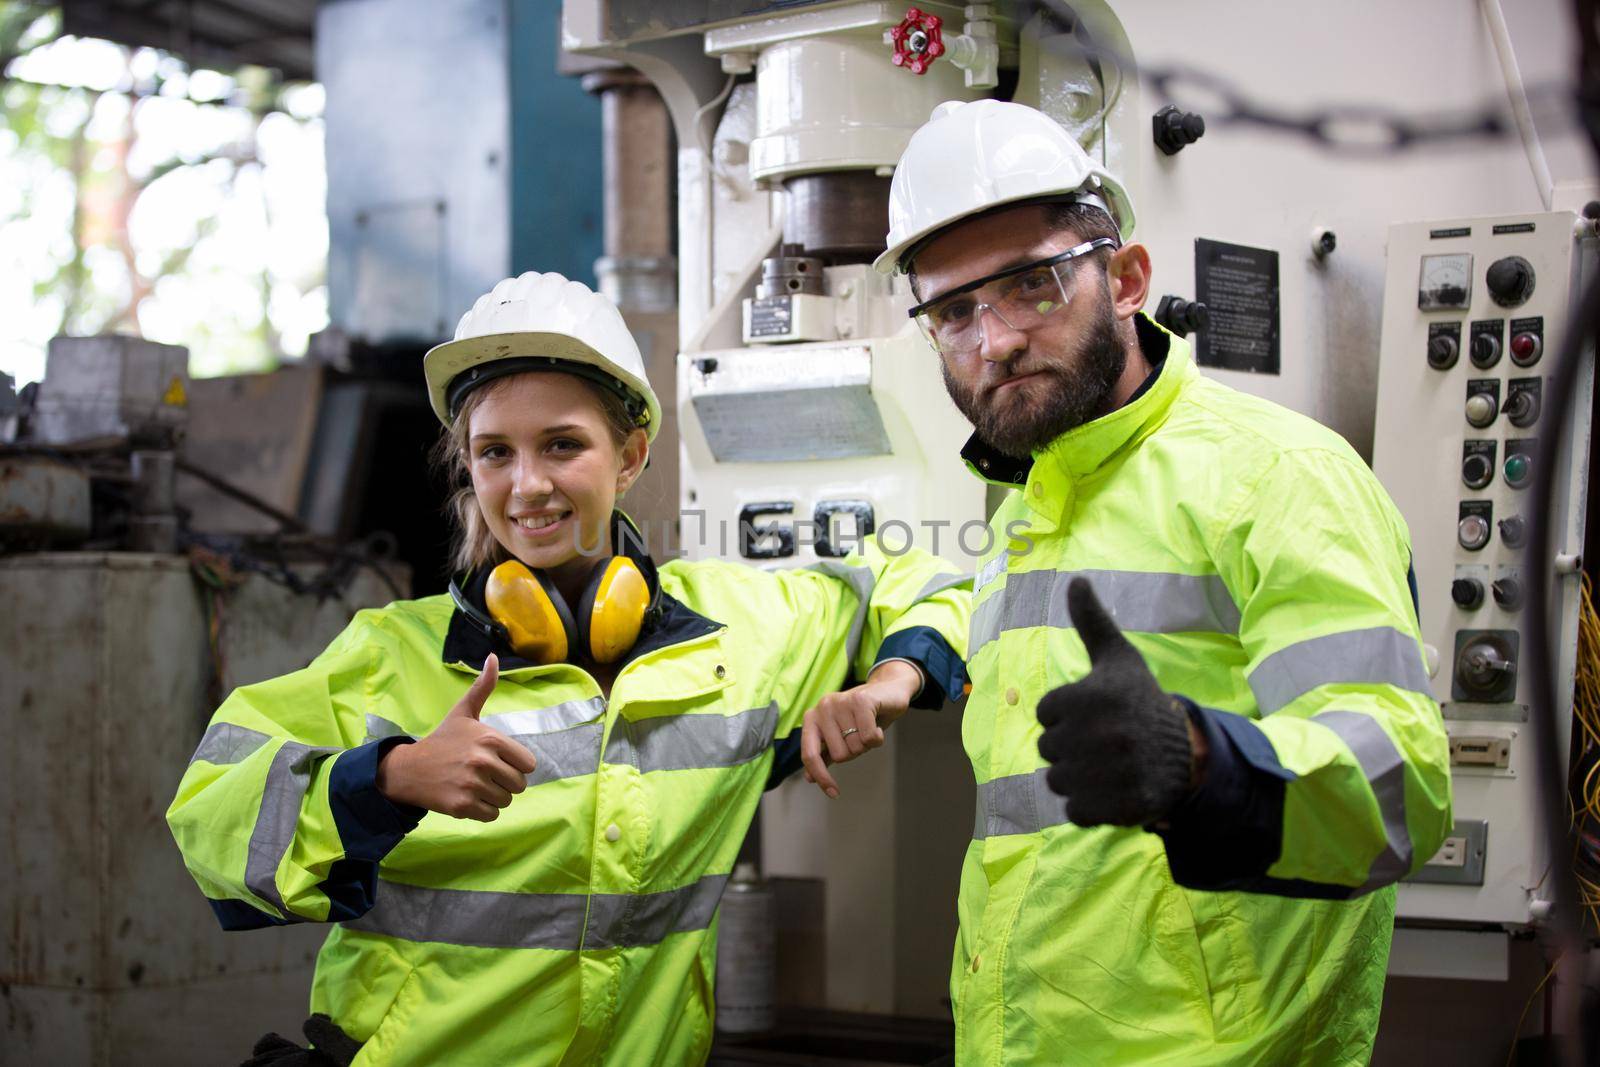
{"points": [[1239, 287]]}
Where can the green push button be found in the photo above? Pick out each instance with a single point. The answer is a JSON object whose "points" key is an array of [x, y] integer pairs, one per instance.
{"points": [[1518, 470]]}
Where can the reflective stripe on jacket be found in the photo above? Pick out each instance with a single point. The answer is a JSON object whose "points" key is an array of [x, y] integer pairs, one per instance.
{"points": [[579, 926], [1257, 565]]}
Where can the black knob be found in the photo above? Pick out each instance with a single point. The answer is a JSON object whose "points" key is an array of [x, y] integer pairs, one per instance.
{"points": [[1510, 280], [1442, 351], [1175, 130], [1508, 593], [1467, 593], [1181, 316], [1476, 470], [1513, 531], [1485, 350], [1522, 407]]}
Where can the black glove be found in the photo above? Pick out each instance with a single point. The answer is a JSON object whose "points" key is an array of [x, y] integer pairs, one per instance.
{"points": [[1117, 744], [330, 1047]]}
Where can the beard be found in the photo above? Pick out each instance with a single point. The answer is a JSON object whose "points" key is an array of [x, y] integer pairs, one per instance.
{"points": [[1070, 390]]}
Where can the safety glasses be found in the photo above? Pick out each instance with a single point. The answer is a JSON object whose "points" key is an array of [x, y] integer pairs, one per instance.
{"points": [[1021, 297]]}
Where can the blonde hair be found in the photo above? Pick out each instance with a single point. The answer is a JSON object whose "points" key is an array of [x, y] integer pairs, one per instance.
{"points": [[472, 543]]}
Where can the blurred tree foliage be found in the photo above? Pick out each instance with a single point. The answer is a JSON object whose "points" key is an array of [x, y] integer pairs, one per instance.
{"points": [[140, 200]]}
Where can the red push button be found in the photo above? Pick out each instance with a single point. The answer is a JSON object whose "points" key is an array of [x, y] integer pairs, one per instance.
{"points": [[1526, 347]]}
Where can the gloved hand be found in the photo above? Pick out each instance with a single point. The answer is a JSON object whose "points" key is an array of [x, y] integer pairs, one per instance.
{"points": [[330, 1047], [1117, 744]]}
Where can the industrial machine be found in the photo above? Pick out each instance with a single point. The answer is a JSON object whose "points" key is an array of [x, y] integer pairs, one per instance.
{"points": [[128, 616], [1265, 193], [1474, 310]]}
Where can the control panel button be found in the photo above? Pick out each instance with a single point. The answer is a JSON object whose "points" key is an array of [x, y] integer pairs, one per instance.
{"points": [[1526, 348], [1443, 350], [1473, 532], [1477, 470], [1480, 409], [1467, 593], [1510, 281], [1513, 531], [1485, 350], [1486, 666], [1522, 406], [1519, 470], [1508, 593]]}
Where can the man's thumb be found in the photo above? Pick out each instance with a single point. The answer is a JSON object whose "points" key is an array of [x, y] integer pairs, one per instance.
{"points": [[1099, 633], [470, 706]]}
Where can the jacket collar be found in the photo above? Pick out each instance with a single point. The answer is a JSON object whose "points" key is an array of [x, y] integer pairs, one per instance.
{"points": [[667, 620], [1084, 448]]}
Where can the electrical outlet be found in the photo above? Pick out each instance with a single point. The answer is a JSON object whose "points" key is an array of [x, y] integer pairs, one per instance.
{"points": [[1453, 853], [1460, 859]]}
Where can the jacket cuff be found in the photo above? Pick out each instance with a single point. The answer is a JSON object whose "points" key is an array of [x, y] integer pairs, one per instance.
{"points": [[1229, 830], [943, 672], [369, 823]]}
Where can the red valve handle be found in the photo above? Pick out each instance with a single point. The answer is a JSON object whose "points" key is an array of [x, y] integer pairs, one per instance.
{"points": [[918, 40]]}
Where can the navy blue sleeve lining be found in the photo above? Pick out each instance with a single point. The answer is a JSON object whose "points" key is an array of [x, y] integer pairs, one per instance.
{"points": [[944, 674], [369, 826], [785, 760], [1229, 831]]}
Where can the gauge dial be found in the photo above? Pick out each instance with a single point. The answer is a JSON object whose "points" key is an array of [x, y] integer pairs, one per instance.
{"points": [[1445, 282]]}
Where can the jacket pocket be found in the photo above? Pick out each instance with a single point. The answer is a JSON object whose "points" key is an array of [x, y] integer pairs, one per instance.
{"points": [[379, 1049]]}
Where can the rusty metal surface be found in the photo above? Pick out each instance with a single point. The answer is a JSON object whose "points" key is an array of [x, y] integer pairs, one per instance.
{"points": [[110, 952], [42, 501]]}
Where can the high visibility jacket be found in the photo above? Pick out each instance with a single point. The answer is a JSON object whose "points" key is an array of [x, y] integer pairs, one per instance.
{"points": [[579, 927], [1259, 568]]}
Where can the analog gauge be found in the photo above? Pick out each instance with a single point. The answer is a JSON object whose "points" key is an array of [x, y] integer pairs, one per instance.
{"points": [[1446, 282]]}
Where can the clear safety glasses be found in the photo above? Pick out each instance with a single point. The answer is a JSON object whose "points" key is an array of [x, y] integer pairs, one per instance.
{"points": [[1021, 297]]}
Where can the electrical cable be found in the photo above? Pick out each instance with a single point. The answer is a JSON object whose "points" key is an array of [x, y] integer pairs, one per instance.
{"points": [[700, 114], [1521, 114]]}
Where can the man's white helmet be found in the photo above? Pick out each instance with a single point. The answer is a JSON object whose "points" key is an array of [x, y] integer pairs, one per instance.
{"points": [[970, 157], [538, 322]]}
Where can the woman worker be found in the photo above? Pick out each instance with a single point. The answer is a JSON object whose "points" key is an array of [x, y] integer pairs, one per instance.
{"points": [[519, 804]]}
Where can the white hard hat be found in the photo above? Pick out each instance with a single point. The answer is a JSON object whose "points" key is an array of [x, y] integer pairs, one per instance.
{"points": [[970, 157], [541, 322]]}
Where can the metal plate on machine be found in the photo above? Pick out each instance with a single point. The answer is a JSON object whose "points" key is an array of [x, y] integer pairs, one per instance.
{"points": [[1239, 287], [764, 406]]}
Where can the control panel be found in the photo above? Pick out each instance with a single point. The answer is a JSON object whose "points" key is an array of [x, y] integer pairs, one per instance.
{"points": [[1472, 310]]}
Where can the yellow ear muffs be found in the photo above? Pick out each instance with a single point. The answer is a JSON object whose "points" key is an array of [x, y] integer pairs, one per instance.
{"points": [[535, 617], [612, 609]]}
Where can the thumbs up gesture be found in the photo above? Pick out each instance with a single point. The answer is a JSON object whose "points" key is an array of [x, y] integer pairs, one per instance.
{"points": [[463, 768], [1119, 747]]}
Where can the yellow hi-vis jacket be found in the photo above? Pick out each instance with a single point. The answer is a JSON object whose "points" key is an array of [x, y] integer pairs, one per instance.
{"points": [[579, 927], [1262, 572]]}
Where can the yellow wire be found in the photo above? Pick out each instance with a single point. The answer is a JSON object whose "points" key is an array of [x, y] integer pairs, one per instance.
{"points": [[1511, 1053], [1586, 711]]}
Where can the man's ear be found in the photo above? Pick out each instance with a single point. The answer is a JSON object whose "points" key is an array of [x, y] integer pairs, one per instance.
{"points": [[1128, 271]]}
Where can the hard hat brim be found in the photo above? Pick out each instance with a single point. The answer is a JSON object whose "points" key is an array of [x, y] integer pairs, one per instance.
{"points": [[1112, 202], [446, 361]]}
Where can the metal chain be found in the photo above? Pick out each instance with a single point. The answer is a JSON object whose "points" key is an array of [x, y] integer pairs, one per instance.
{"points": [[1353, 129]]}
